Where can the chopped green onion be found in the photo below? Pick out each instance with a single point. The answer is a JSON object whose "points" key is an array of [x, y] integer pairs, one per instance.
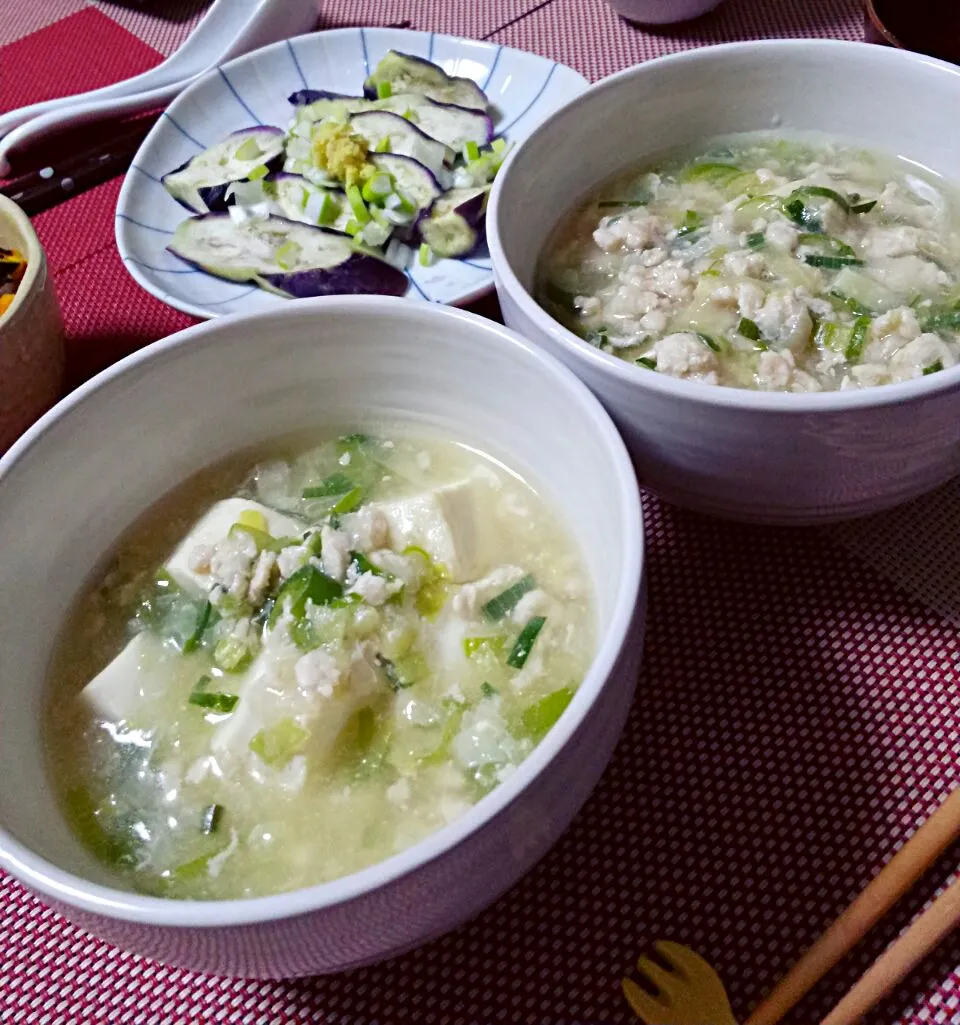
{"points": [[934, 368], [825, 336], [504, 602], [851, 304], [254, 518], [599, 337], [212, 816], [203, 619], [357, 205], [607, 204], [821, 192], [276, 745], [471, 151], [384, 90], [716, 173], [260, 171], [407, 205], [471, 645], [432, 594], [795, 210], [403, 673], [353, 227], [826, 244], [560, 297], [499, 145], [710, 343], [858, 338], [690, 223], [212, 700], [336, 484], [305, 197], [756, 240], [288, 254], [863, 208], [528, 636], [942, 321], [307, 584], [749, 329], [377, 188], [424, 255], [329, 210], [232, 655], [364, 565], [540, 717], [248, 150], [488, 690], [350, 501], [831, 262], [650, 362], [383, 146]]}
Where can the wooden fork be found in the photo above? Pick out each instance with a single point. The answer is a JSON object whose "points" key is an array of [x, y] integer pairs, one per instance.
{"points": [[691, 993], [687, 990]]}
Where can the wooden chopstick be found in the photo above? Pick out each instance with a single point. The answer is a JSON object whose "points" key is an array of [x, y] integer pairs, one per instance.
{"points": [[40, 189], [887, 887], [900, 958]]}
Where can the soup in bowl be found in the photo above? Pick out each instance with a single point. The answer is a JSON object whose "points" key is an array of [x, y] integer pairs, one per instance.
{"points": [[752, 257], [331, 661]]}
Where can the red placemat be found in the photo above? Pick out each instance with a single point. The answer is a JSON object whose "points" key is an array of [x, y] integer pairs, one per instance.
{"points": [[796, 716]]}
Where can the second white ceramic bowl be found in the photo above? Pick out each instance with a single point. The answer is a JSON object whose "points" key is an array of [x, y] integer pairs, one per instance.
{"points": [[768, 457], [72, 485]]}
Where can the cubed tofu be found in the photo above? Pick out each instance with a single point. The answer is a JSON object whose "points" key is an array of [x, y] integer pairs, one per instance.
{"points": [[455, 524], [268, 694], [117, 691], [214, 527]]}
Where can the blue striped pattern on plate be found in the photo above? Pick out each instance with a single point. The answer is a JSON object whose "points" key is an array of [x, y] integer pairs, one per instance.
{"points": [[522, 87]]}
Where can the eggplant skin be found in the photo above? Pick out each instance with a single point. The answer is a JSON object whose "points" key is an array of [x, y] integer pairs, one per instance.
{"points": [[215, 196], [470, 95], [360, 275], [213, 243], [464, 222], [304, 97]]}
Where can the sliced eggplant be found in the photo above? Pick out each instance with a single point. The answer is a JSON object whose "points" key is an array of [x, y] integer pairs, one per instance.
{"points": [[283, 256], [445, 122], [315, 105], [394, 134], [403, 73], [298, 199], [454, 225], [201, 183], [304, 97], [418, 183]]}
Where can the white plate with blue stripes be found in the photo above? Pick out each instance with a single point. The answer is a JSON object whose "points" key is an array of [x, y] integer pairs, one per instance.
{"points": [[523, 90]]}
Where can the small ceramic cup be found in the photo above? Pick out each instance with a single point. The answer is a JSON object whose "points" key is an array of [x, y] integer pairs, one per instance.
{"points": [[31, 333], [662, 12]]}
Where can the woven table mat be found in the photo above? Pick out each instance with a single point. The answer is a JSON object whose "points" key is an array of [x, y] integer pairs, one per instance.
{"points": [[796, 715]]}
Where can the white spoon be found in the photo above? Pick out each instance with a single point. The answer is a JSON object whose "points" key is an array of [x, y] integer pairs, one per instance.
{"points": [[229, 29]]}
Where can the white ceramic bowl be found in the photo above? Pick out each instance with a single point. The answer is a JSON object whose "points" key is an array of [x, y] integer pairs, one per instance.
{"points": [[103, 455], [769, 457], [523, 89], [661, 12]]}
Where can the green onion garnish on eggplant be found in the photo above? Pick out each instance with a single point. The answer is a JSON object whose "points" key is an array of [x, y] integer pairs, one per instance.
{"points": [[201, 184], [327, 263], [406, 73]]}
